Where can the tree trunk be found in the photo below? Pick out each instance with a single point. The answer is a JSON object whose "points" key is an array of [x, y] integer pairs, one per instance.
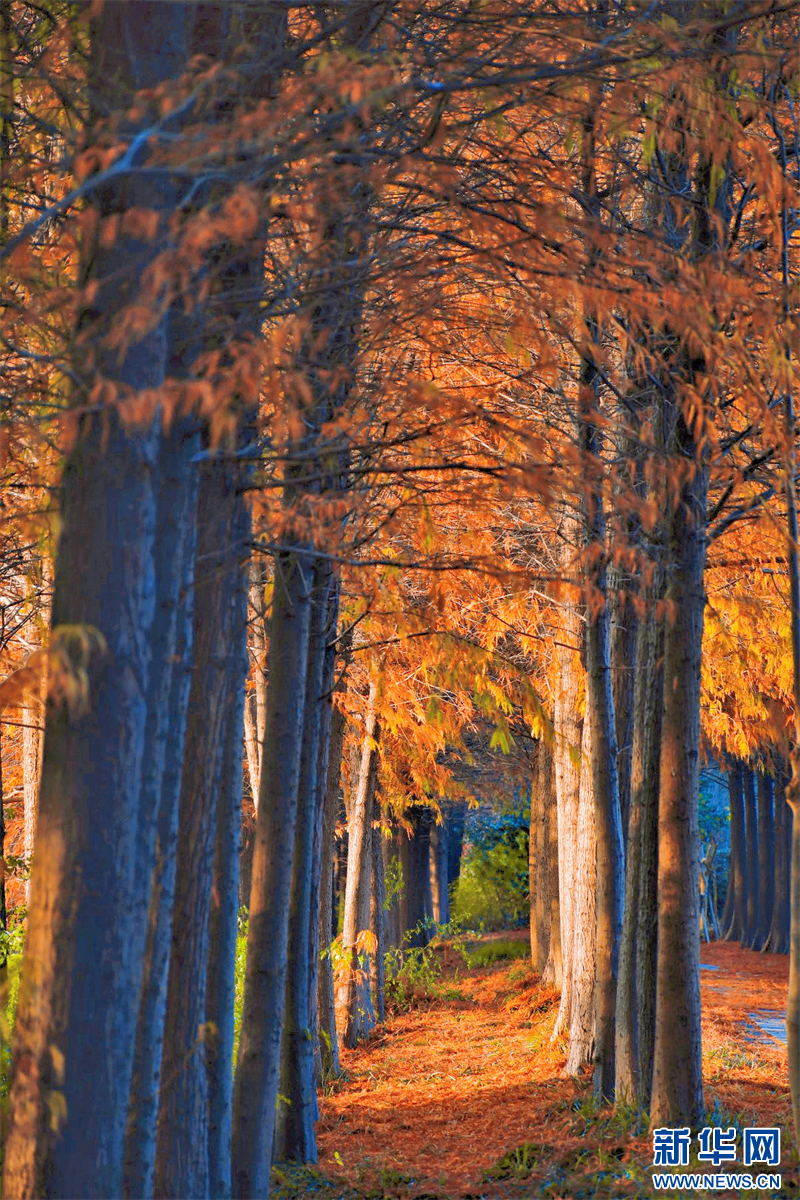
{"points": [[182, 1141], [752, 914], [610, 854], [256, 1080], [647, 927], [538, 868], [74, 1033], [294, 1127], [439, 873], [256, 705], [584, 885], [351, 992], [566, 760], [779, 928], [455, 821], [677, 1097], [552, 973], [158, 835], [392, 857], [766, 857], [624, 638], [377, 926], [636, 987], [326, 996], [737, 873], [416, 905], [221, 987]]}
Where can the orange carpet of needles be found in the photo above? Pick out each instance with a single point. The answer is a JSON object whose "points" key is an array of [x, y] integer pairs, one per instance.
{"points": [[463, 1095]]}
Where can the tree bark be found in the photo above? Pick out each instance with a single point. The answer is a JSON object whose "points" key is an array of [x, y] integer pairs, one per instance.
{"points": [[778, 942], [538, 868], [294, 1128], [74, 1033], [256, 1080], [416, 905], [584, 885], [221, 987], [752, 914], [351, 1000], [737, 873], [766, 857], [624, 636], [440, 888], [182, 1142], [637, 975], [377, 926], [566, 763], [326, 996], [677, 1097], [610, 854], [392, 857], [552, 973], [256, 704], [455, 821], [158, 834]]}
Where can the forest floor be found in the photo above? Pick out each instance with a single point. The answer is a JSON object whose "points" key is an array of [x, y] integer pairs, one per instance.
{"points": [[462, 1094]]}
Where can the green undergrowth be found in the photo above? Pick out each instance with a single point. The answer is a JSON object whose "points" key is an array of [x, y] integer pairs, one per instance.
{"points": [[415, 974], [491, 952], [492, 888]]}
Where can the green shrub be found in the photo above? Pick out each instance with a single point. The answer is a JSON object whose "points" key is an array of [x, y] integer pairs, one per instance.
{"points": [[7, 1018], [238, 997], [415, 973], [492, 891]]}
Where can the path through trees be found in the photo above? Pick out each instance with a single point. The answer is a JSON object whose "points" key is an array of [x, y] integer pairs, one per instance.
{"points": [[443, 1093]]}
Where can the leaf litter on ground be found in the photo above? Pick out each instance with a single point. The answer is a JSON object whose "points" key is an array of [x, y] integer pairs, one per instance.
{"points": [[463, 1095]]}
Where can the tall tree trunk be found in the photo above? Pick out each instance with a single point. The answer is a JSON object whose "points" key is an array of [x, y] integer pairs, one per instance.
{"points": [[647, 922], [75, 1021], [256, 705], [584, 885], [326, 996], [392, 859], [624, 635], [294, 1129], [778, 942], [158, 833], [677, 1097], [377, 926], [752, 915], [566, 762], [256, 1079], [440, 889], [538, 873], [455, 821], [416, 905], [737, 872], [637, 977], [610, 854], [792, 791], [766, 857], [221, 986], [330, 760], [552, 972], [351, 991], [182, 1142]]}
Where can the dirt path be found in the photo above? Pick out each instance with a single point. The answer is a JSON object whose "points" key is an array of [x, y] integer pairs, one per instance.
{"points": [[434, 1101]]}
